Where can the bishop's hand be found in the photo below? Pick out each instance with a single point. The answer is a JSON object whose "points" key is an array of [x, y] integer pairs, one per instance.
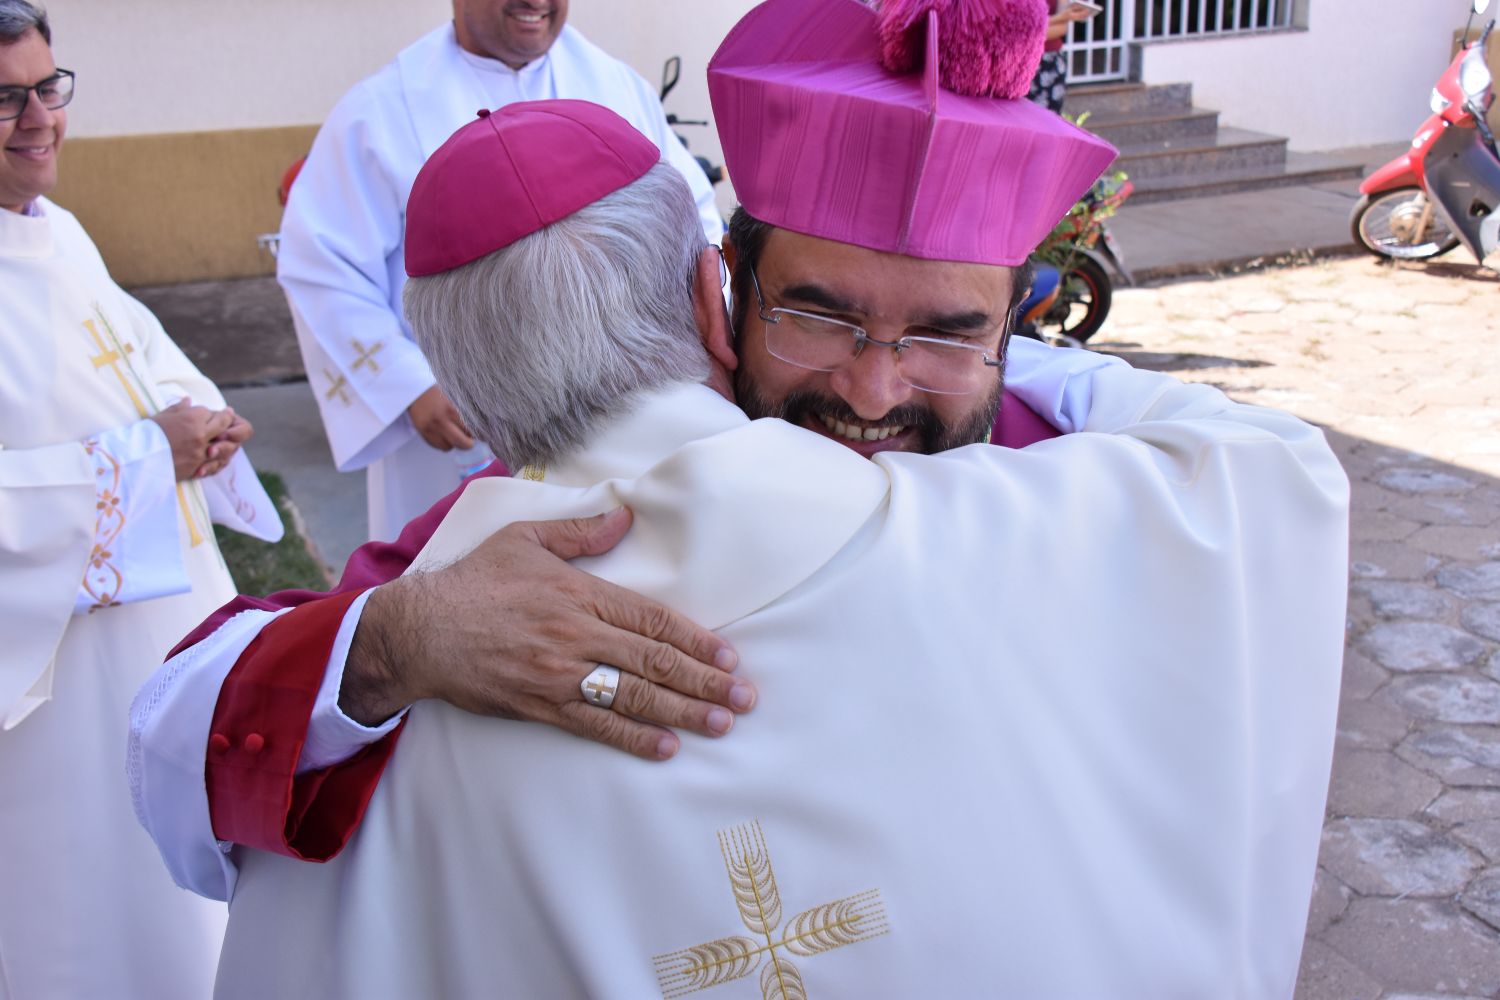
{"points": [[511, 630]]}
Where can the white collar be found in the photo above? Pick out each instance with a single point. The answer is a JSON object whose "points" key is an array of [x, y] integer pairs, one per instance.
{"points": [[656, 424], [485, 64], [730, 514], [27, 233]]}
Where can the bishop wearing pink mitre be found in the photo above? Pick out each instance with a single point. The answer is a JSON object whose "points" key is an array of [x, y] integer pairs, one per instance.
{"points": [[1042, 722]]}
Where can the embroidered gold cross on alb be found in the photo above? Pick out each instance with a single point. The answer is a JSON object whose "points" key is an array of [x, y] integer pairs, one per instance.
{"points": [[823, 928], [115, 355], [366, 356], [111, 357], [336, 387]]}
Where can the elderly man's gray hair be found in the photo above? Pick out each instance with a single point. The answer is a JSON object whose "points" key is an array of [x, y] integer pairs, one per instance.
{"points": [[539, 342], [18, 17]]}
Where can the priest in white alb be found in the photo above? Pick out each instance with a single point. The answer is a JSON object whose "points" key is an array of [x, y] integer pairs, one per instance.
{"points": [[955, 785], [340, 260], [116, 455]]}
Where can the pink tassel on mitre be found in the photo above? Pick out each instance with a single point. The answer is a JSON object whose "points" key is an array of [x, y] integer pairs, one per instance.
{"points": [[988, 48]]}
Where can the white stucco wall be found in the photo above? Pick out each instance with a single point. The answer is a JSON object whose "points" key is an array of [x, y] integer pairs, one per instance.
{"points": [[645, 33], [1360, 74], [187, 65], [150, 66]]}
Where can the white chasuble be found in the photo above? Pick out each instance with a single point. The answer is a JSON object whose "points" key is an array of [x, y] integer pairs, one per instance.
{"points": [[1044, 723], [342, 264], [106, 562]]}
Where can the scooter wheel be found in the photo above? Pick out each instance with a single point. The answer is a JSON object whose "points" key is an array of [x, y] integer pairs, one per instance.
{"points": [[1082, 306], [1392, 224]]}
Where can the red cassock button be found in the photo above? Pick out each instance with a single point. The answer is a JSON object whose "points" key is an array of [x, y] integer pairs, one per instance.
{"points": [[254, 743], [218, 742]]}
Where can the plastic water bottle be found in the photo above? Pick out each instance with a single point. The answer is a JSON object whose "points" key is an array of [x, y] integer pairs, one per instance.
{"points": [[471, 460]]}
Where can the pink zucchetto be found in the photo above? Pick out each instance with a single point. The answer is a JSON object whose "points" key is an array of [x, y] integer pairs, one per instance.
{"points": [[512, 172], [899, 131]]}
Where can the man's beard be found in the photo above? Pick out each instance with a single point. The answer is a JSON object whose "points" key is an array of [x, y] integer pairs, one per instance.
{"points": [[933, 435]]}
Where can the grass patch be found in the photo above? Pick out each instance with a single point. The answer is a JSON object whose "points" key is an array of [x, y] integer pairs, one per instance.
{"points": [[263, 567]]}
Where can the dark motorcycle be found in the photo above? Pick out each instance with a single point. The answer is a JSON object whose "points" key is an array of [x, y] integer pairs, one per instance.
{"points": [[1072, 291], [671, 72], [1445, 189]]}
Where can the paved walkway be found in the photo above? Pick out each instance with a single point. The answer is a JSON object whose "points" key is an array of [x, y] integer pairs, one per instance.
{"points": [[1400, 364]]}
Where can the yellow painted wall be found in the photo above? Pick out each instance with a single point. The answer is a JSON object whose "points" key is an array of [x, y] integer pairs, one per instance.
{"points": [[180, 207], [188, 111]]}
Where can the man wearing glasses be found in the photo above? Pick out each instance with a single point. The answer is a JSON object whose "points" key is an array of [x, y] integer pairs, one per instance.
{"points": [[1144, 620], [340, 256], [116, 455]]}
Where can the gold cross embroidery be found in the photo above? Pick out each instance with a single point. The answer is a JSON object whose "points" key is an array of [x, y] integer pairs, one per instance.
{"points": [[823, 928], [533, 473], [112, 358], [336, 387], [366, 356]]}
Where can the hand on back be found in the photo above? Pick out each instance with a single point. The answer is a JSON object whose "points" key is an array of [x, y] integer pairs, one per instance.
{"points": [[511, 630]]}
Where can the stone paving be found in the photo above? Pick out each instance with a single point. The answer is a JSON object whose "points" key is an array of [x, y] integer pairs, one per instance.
{"points": [[1401, 364]]}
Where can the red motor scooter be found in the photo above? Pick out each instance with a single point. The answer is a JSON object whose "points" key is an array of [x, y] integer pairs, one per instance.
{"points": [[1445, 189]]}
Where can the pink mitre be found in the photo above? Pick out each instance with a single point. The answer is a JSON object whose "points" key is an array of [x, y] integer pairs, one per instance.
{"points": [[900, 131], [512, 172]]}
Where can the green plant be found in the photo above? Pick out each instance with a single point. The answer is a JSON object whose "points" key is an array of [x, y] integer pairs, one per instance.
{"points": [[1079, 230], [263, 567]]}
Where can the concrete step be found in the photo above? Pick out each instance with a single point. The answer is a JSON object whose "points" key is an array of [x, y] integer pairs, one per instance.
{"points": [[1228, 149], [1135, 128], [1297, 169], [1125, 98], [1223, 231]]}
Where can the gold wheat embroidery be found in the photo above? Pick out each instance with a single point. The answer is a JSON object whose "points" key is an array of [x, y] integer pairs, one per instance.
{"points": [[833, 925], [780, 980], [749, 866], [752, 878]]}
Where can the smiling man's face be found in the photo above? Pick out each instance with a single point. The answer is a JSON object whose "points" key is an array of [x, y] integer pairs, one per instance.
{"points": [[512, 31], [28, 144], [864, 403]]}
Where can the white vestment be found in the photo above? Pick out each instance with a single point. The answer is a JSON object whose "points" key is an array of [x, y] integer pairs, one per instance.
{"points": [[1054, 722], [105, 563], [342, 241], [174, 709]]}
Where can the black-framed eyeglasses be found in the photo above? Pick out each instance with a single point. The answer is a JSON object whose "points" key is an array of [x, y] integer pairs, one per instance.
{"points": [[822, 344], [54, 92]]}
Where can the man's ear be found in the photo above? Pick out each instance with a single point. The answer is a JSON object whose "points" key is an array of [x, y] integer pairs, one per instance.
{"points": [[710, 313]]}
